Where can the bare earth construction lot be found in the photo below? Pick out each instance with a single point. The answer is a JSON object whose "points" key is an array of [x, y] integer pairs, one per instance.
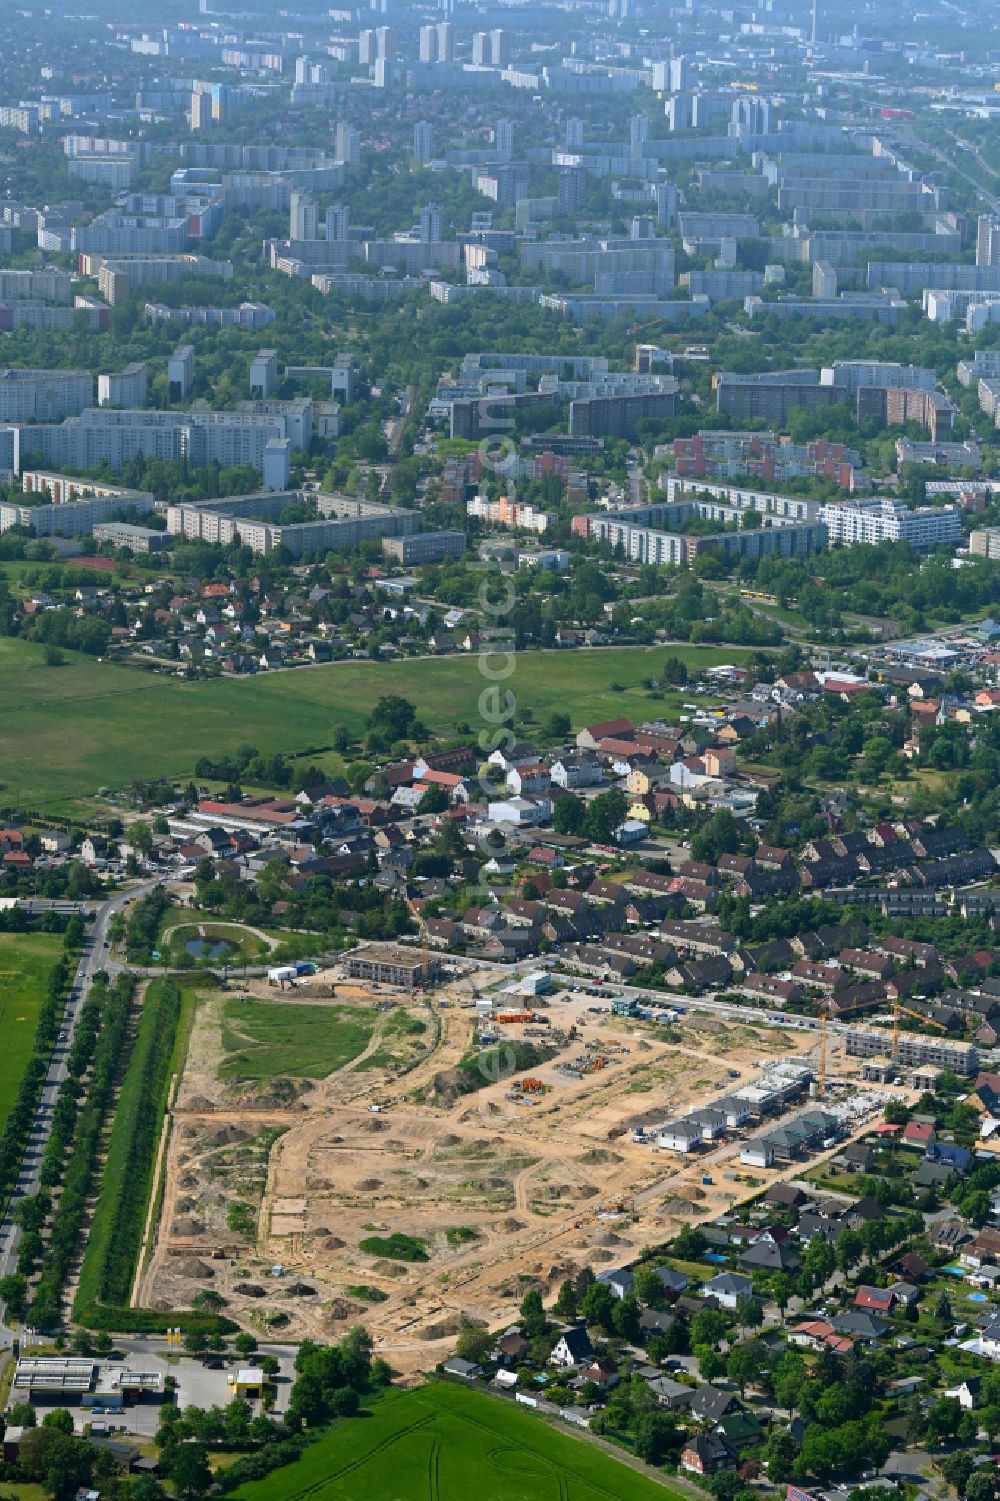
{"points": [[496, 1193]]}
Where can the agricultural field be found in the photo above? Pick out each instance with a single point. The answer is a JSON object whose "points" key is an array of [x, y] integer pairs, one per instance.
{"points": [[443, 1443], [71, 730], [26, 961], [267, 1038]]}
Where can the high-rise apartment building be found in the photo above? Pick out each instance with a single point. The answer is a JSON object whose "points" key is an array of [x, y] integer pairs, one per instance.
{"points": [[348, 143], [337, 222], [430, 224], [303, 218], [428, 46], [988, 240]]}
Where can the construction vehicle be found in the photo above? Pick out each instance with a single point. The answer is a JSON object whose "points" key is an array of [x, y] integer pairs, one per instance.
{"points": [[899, 1009]]}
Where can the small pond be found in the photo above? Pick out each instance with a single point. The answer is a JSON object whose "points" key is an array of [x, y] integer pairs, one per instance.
{"points": [[208, 948]]}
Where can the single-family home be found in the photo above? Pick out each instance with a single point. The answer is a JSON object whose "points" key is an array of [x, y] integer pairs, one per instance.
{"points": [[707, 1454], [727, 1287], [572, 1348]]}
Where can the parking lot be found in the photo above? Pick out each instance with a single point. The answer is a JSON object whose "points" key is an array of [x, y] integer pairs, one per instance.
{"points": [[198, 1385]]}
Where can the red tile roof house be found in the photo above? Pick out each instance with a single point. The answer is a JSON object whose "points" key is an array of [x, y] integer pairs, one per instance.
{"points": [[878, 1299], [918, 1133], [619, 729]]}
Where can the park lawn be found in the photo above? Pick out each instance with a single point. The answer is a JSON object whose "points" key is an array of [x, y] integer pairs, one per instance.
{"points": [[26, 961], [265, 1038], [446, 1443], [68, 731]]}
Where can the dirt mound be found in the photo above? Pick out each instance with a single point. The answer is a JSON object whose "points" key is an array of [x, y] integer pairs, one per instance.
{"points": [[334, 1243], [449, 1140], [339, 1309], [485, 1107], [186, 1204], [611, 1239], [227, 1136], [199, 1102], [598, 1155], [299, 1290], [190, 1266], [250, 1290], [389, 1269], [443, 1328], [280, 1093], [190, 1180], [188, 1225], [510, 1226], [586, 1191], [374, 1127], [449, 1085], [369, 1185]]}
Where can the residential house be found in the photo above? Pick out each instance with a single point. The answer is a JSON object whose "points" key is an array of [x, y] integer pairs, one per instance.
{"points": [[727, 1287], [572, 1348], [707, 1454]]}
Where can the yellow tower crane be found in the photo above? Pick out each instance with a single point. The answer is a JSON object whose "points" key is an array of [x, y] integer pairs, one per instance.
{"points": [[918, 1016], [424, 945]]}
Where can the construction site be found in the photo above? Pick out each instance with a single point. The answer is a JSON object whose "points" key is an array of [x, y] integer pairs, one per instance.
{"points": [[470, 1149]]}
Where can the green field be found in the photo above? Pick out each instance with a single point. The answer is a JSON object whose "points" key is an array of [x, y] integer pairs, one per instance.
{"points": [[445, 1443], [26, 961], [265, 1038], [69, 730]]}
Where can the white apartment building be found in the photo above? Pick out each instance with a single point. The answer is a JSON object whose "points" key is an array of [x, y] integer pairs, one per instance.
{"points": [[123, 388], [112, 436], [880, 519], [510, 513]]}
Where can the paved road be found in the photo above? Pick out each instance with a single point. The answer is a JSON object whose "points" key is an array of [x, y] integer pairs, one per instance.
{"points": [[94, 957]]}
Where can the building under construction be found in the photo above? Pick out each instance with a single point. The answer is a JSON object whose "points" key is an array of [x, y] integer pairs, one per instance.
{"points": [[392, 964], [913, 1049]]}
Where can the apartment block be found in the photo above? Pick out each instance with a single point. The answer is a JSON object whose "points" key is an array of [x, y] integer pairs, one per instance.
{"points": [[424, 547], [44, 395], [343, 522], [126, 388], [106, 435], [72, 518], [771, 396], [984, 542], [180, 372], [893, 407], [138, 539], [880, 519]]}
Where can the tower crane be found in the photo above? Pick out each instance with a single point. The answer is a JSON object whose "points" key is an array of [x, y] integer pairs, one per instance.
{"points": [[425, 949], [899, 1009]]}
